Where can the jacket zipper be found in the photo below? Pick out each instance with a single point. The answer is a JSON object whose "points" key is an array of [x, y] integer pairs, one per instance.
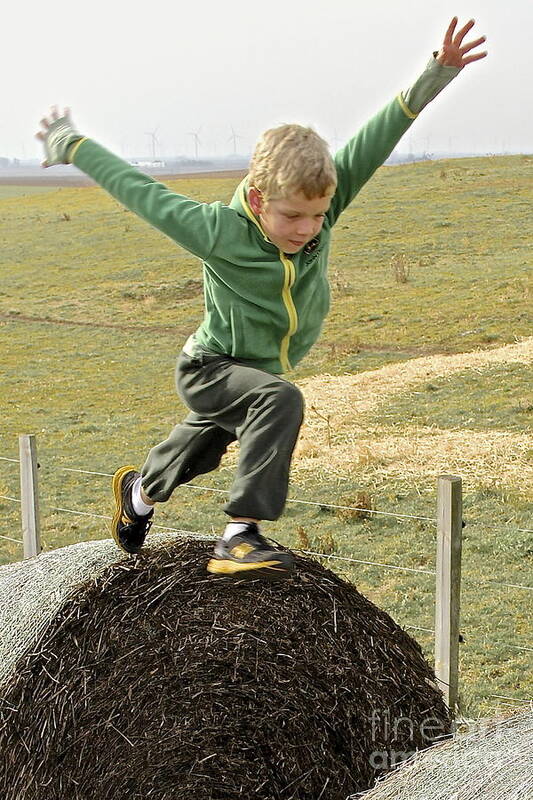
{"points": [[288, 283]]}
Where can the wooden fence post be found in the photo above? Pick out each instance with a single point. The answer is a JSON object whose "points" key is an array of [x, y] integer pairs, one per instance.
{"points": [[29, 495], [448, 590]]}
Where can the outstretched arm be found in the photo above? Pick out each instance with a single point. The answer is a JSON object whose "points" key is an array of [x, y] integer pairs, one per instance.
{"points": [[191, 224], [357, 161]]}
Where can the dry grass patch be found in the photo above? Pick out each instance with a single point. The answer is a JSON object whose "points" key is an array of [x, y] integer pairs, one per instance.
{"points": [[337, 440], [341, 397], [492, 457]]}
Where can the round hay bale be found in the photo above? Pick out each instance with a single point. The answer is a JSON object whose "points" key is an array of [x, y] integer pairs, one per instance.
{"points": [[494, 761], [154, 680]]}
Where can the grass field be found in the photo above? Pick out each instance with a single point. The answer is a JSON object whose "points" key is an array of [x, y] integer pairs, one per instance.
{"points": [[23, 191], [409, 380]]}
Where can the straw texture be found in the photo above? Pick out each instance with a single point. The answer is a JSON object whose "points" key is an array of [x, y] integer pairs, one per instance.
{"points": [[154, 680]]}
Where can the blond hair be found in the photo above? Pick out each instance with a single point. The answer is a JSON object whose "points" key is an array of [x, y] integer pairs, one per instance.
{"points": [[292, 159]]}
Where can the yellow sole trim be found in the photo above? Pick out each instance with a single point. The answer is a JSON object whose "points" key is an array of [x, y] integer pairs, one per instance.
{"points": [[220, 566], [117, 493]]}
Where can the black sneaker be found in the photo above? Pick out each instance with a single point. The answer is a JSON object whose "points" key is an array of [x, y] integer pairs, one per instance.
{"points": [[128, 528], [248, 555]]}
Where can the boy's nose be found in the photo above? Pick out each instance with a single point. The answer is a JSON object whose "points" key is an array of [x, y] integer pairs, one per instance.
{"points": [[305, 227]]}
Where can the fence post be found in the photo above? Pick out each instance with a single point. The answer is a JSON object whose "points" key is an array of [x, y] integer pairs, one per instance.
{"points": [[448, 590], [29, 495]]}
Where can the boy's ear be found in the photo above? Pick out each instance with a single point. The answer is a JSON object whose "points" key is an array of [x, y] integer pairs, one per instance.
{"points": [[255, 198]]}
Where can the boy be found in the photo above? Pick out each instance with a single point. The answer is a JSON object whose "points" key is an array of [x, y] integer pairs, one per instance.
{"points": [[266, 296]]}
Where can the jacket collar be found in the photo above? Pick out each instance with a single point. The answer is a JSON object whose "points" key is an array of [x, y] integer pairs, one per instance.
{"points": [[240, 203]]}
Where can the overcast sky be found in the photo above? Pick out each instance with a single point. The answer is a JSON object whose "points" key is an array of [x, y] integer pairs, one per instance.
{"points": [[128, 68]]}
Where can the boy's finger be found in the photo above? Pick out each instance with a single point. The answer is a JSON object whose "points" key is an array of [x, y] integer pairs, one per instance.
{"points": [[45, 123], [460, 35], [40, 135], [449, 33], [469, 59], [470, 45]]}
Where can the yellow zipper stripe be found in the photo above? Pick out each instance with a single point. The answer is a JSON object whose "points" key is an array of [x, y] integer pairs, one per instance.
{"points": [[290, 277], [288, 282]]}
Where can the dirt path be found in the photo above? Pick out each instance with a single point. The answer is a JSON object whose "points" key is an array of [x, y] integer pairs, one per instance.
{"points": [[173, 330], [25, 318]]}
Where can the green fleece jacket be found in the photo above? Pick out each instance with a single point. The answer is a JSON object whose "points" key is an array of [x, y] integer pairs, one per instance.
{"points": [[261, 306]]}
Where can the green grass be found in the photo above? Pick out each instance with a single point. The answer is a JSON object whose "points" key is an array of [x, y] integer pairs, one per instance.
{"points": [[23, 191], [98, 391], [498, 398]]}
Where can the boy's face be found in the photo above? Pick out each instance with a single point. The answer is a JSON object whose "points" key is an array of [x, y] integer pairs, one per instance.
{"points": [[292, 221]]}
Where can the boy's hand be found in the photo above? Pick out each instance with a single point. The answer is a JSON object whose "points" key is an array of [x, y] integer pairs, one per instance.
{"points": [[57, 135], [453, 52]]}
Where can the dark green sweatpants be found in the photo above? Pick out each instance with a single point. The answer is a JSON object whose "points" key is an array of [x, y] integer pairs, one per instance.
{"points": [[228, 401]]}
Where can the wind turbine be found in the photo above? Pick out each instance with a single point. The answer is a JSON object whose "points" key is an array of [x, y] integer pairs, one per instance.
{"points": [[155, 141], [197, 141], [233, 138]]}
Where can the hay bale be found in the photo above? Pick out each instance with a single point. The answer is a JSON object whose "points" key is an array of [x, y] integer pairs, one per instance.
{"points": [[155, 680], [494, 761], [32, 591]]}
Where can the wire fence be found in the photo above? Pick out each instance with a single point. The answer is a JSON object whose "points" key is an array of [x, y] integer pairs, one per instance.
{"points": [[321, 505], [327, 557], [297, 501]]}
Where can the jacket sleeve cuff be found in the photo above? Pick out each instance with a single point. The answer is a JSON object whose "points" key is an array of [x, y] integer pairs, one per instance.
{"points": [[432, 81], [73, 147]]}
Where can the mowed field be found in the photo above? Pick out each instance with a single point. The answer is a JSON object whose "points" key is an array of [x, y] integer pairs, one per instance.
{"points": [[410, 380]]}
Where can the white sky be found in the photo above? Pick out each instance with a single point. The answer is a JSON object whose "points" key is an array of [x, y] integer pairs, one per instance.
{"points": [[127, 68]]}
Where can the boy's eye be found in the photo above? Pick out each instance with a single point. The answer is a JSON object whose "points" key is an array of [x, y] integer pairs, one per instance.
{"points": [[296, 216]]}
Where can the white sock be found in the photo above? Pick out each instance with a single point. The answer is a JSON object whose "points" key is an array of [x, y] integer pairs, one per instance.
{"points": [[139, 506], [233, 528]]}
